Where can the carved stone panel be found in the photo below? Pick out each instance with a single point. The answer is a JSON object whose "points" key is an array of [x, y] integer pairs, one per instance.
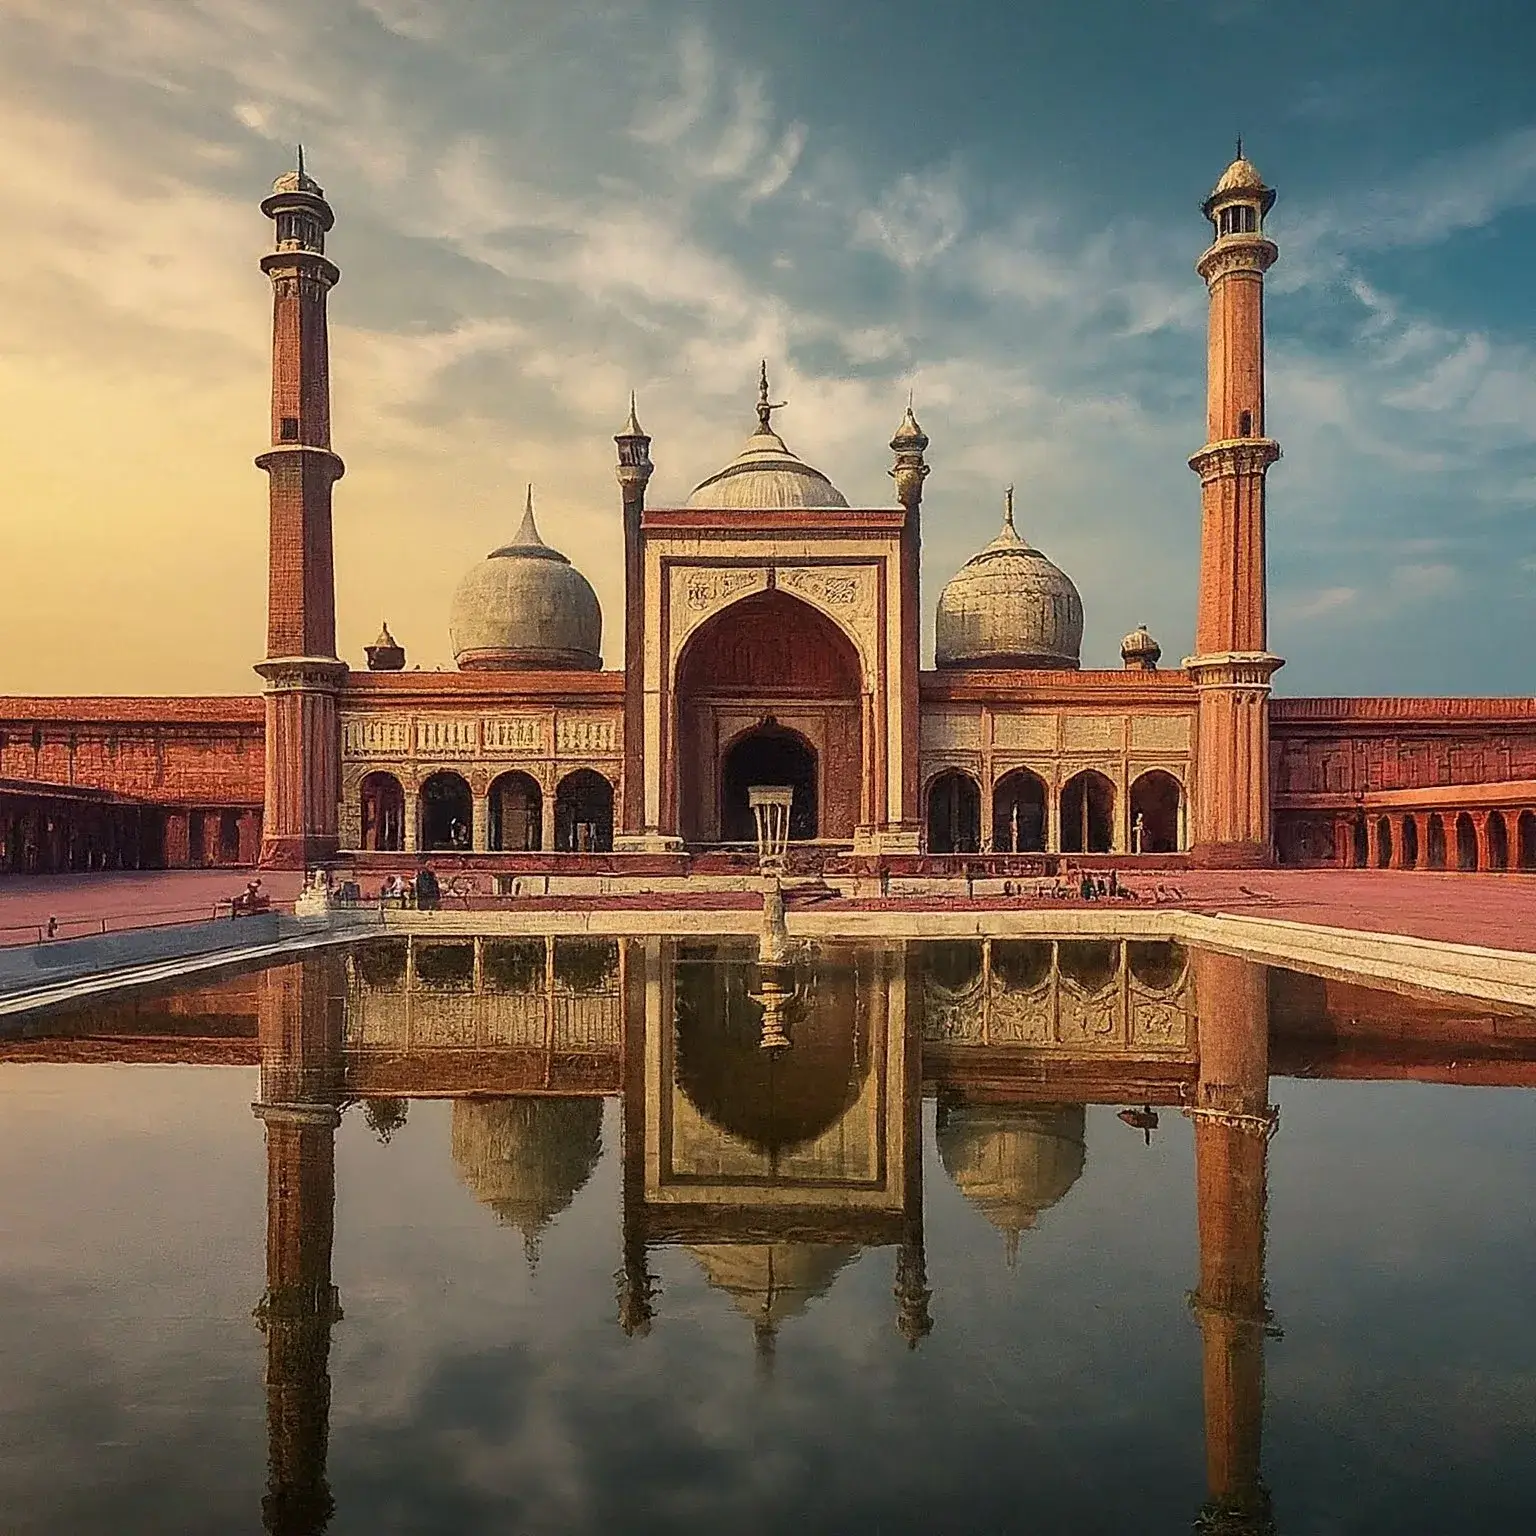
{"points": [[1025, 732], [1160, 733], [950, 730], [438, 735], [1092, 733], [585, 736], [845, 593], [516, 735], [699, 592], [375, 736]]}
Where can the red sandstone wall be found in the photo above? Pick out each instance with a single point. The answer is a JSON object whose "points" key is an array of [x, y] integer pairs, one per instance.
{"points": [[189, 751]]}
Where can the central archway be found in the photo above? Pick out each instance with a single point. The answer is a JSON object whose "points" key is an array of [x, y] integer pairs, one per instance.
{"points": [[769, 755], [770, 691]]}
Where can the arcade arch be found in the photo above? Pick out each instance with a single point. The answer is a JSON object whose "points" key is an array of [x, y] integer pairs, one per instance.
{"points": [[447, 811], [1019, 801], [954, 813], [584, 813], [516, 814], [1087, 813], [383, 813], [1157, 813]]}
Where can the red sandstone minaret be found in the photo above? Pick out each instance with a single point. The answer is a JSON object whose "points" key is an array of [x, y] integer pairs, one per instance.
{"points": [[634, 472], [1232, 665], [1233, 1124], [302, 672], [299, 1027]]}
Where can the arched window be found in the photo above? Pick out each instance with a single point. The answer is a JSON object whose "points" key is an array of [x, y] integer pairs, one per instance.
{"points": [[1087, 813], [1018, 813], [383, 813], [1498, 841], [1359, 844], [1466, 842], [954, 813], [1410, 842], [229, 837], [1383, 842], [584, 813], [516, 814], [1157, 813], [447, 811], [1434, 842]]}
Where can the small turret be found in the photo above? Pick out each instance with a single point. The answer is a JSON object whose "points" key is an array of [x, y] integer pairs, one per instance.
{"points": [[1139, 651], [910, 470], [386, 654]]}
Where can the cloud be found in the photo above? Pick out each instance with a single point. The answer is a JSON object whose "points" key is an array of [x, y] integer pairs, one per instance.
{"points": [[916, 219]]}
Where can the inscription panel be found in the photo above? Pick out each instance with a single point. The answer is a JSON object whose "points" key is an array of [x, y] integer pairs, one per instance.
{"points": [[509, 735], [446, 735], [375, 736], [585, 736]]}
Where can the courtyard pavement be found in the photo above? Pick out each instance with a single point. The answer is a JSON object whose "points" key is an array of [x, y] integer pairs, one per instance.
{"points": [[1494, 910]]}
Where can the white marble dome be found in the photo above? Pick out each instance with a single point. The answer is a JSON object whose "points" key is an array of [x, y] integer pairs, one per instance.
{"points": [[1008, 606], [765, 475], [525, 606]]}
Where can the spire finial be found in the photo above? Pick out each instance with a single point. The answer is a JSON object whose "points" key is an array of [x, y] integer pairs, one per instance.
{"points": [[1239, 146], [528, 532], [1008, 510], [764, 409], [301, 159]]}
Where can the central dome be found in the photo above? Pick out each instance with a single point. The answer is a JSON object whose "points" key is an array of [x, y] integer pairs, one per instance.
{"points": [[525, 605], [1008, 606], [765, 475]]}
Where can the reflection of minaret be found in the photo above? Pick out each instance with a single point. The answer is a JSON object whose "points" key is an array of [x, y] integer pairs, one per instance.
{"points": [[913, 1319], [300, 1081], [637, 1288], [1233, 1122]]}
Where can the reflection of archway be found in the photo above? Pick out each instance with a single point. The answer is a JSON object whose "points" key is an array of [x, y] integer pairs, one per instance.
{"points": [[517, 814], [770, 659], [1018, 813], [1157, 798], [1466, 842], [383, 813], [447, 811], [1087, 813], [584, 813], [772, 757], [954, 813]]}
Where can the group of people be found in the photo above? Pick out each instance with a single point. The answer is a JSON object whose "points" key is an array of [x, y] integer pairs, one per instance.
{"points": [[423, 892]]}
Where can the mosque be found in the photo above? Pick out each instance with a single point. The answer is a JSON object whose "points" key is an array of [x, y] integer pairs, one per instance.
{"points": [[771, 636]]}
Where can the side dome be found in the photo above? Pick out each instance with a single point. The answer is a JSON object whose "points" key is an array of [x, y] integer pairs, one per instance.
{"points": [[765, 475], [525, 605], [1008, 606]]}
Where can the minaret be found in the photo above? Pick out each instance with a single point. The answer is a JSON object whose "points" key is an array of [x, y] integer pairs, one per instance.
{"points": [[300, 1043], [1233, 1124], [302, 672], [1232, 666], [634, 472], [909, 472]]}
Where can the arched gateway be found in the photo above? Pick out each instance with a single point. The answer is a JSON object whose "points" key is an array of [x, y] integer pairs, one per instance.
{"points": [[769, 691]]}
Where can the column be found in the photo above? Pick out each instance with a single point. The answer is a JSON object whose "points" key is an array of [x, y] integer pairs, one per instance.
{"points": [[547, 821], [480, 823]]}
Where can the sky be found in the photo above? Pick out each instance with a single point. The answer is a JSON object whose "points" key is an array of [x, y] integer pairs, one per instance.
{"points": [[542, 206]]}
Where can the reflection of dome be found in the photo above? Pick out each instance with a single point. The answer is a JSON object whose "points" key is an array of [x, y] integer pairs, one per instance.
{"points": [[765, 474], [773, 1101], [525, 605], [526, 1158], [1012, 1161], [772, 1281], [1008, 606]]}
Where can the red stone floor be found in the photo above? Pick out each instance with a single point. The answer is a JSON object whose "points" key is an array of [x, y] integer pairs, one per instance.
{"points": [[131, 899], [1496, 910]]}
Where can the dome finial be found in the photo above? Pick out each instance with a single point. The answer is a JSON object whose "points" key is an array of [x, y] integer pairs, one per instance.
{"points": [[1239, 154], [1008, 510], [528, 529], [764, 409], [301, 159], [632, 421]]}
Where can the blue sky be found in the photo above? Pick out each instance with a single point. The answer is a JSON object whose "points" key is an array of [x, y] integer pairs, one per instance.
{"points": [[540, 206]]}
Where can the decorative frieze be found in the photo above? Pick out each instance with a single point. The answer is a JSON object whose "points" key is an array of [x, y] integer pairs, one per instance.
{"points": [[446, 736]]}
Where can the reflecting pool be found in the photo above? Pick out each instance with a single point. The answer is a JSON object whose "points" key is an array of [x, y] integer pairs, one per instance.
{"points": [[584, 1235]]}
